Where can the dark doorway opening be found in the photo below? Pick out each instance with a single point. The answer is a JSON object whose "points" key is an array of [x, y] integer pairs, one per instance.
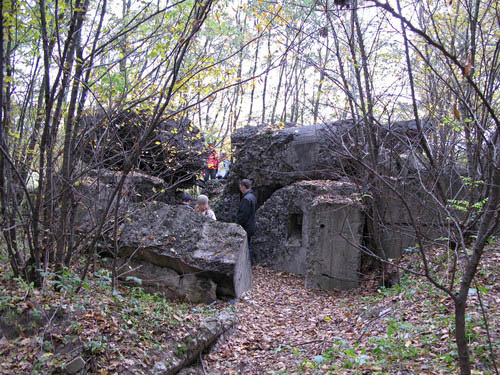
{"points": [[295, 229]]}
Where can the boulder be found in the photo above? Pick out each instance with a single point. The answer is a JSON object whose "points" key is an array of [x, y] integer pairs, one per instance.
{"points": [[312, 228], [175, 150], [179, 239]]}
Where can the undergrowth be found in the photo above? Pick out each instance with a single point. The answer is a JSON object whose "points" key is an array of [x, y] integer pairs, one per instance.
{"points": [[110, 330], [417, 334]]}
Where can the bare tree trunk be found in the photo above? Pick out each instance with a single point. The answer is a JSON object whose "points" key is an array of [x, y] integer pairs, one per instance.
{"points": [[295, 105], [239, 93], [345, 83], [123, 44], [468, 90], [278, 88], [489, 224], [369, 129], [288, 90], [9, 235], [268, 68], [319, 88], [63, 232], [254, 70]]}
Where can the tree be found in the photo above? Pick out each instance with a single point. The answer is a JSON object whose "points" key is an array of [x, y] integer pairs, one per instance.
{"points": [[446, 181], [82, 64]]}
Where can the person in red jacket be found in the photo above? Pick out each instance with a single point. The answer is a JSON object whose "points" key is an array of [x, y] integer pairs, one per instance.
{"points": [[212, 163]]}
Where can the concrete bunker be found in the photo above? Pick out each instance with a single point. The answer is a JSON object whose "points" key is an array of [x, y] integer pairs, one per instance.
{"points": [[310, 219], [314, 229]]}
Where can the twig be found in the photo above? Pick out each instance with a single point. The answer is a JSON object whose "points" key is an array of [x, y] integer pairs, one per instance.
{"points": [[306, 343], [384, 313], [49, 320], [202, 365], [486, 325]]}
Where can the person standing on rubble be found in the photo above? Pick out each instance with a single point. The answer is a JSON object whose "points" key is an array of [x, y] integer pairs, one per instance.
{"points": [[212, 163]]}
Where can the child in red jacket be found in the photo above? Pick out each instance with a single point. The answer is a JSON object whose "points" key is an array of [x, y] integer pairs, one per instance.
{"points": [[212, 163]]}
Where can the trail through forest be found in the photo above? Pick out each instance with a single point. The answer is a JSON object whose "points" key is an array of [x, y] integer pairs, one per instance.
{"points": [[287, 329], [281, 324]]}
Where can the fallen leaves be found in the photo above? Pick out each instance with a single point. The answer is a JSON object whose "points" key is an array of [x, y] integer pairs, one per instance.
{"points": [[281, 323], [285, 328]]}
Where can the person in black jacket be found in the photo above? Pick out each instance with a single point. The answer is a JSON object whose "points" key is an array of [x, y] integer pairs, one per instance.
{"points": [[246, 211]]}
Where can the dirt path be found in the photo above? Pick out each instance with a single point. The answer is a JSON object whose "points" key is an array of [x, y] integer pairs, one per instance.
{"points": [[287, 329], [281, 324]]}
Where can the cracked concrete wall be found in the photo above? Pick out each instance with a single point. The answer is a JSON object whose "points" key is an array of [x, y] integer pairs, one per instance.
{"points": [[312, 228], [334, 256]]}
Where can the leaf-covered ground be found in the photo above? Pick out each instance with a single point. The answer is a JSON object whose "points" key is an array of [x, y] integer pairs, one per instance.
{"points": [[283, 329], [125, 332], [287, 329]]}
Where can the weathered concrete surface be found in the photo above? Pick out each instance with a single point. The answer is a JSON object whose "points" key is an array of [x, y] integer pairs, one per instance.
{"points": [[399, 219], [180, 239], [276, 158], [396, 238], [335, 232], [295, 228], [273, 157], [189, 348], [189, 287], [138, 187], [93, 192]]}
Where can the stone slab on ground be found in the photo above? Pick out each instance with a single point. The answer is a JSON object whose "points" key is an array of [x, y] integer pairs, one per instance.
{"points": [[177, 238], [189, 348], [75, 365]]}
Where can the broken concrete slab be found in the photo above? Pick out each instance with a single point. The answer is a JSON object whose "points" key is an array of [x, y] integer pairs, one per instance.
{"points": [[175, 150], [156, 279], [189, 348], [177, 238]]}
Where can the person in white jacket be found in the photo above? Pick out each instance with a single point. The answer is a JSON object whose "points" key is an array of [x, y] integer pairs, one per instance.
{"points": [[224, 166], [203, 208]]}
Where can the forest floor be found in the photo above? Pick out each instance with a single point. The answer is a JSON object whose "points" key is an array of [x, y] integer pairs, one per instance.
{"points": [[408, 329], [283, 328]]}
